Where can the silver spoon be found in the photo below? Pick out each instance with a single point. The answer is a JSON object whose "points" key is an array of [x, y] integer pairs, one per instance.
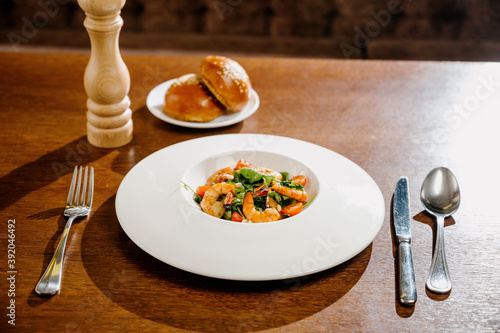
{"points": [[440, 196]]}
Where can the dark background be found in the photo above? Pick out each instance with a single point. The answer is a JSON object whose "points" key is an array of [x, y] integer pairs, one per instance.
{"points": [[467, 30]]}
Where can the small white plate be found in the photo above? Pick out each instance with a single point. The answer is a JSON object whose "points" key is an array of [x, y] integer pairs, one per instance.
{"points": [[160, 216], [156, 100]]}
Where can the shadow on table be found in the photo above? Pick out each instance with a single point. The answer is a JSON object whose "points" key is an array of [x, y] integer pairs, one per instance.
{"points": [[150, 135], [47, 169], [159, 292], [50, 214]]}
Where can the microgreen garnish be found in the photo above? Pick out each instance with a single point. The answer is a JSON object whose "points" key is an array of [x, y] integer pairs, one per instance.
{"points": [[307, 203], [197, 198]]}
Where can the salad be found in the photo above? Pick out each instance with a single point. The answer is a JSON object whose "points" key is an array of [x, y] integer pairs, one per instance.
{"points": [[251, 194]]}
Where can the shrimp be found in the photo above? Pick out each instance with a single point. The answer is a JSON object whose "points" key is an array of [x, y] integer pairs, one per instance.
{"points": [[267, 215], [210, 203], [270, 172], [299, 195], [273, 204], [221, 176]]}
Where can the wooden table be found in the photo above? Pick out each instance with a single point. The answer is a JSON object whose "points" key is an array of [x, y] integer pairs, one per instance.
{"points": [[391, 118]]}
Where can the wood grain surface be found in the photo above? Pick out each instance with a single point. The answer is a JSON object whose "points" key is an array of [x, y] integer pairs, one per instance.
{"points": [[391, 118]]}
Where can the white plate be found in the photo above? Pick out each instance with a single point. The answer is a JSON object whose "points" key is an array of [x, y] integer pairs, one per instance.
{"points": [[159, 215], [156, 100]]}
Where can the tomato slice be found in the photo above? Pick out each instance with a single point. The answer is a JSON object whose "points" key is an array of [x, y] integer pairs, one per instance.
{"points": [[202, 189], [236, 217], [299, 179], [293, 209]]}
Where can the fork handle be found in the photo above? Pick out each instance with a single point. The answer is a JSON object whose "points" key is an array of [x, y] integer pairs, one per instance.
{"points": [[50, 282]]}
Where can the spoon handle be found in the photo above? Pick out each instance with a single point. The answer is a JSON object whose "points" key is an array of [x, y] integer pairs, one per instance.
{"points": [[439, 278]]}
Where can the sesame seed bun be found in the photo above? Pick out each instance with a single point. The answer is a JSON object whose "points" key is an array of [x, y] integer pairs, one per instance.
{"points": [[188, 99], [227, 80]]}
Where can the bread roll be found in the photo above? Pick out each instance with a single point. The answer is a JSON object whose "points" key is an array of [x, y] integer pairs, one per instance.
{"points": [[188, 99], [227, 81]]}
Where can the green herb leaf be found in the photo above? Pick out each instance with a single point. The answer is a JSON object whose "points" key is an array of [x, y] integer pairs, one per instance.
{"points": [[247, 175], [260, 203], [288, 201], [276, 196], [290, 184], [227, 215]]}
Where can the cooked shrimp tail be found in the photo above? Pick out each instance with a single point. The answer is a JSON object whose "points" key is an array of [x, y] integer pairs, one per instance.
{"points": [[228, 200], [242, 164], [267, 215], [210, 203], [221, 176], [299, 195], [269, 172]]}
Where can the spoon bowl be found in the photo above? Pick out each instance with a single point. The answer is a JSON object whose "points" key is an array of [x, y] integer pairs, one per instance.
{"points": [[440, 195]]}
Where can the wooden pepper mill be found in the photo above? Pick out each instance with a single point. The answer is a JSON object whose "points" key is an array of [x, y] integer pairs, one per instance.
{"points": [[106, 79]]}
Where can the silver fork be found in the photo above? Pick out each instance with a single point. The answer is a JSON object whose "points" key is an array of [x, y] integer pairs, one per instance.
{"points": [[50, 282]]}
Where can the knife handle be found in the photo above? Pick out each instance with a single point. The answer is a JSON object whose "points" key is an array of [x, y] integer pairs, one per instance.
{"points": [[407, 287]]}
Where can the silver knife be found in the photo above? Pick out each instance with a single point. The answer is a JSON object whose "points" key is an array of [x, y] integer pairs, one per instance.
{"points": [[401, 209]]}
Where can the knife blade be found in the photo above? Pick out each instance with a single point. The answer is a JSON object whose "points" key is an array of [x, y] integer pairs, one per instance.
{"points": [[401, 213]]}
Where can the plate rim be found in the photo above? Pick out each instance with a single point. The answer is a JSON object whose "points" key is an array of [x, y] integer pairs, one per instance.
{"points": [[258, 276]]}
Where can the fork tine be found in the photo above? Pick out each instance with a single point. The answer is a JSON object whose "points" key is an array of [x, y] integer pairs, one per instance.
{"points": [[72, 187], [78, 186], [91, 188], [84, 190]]}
